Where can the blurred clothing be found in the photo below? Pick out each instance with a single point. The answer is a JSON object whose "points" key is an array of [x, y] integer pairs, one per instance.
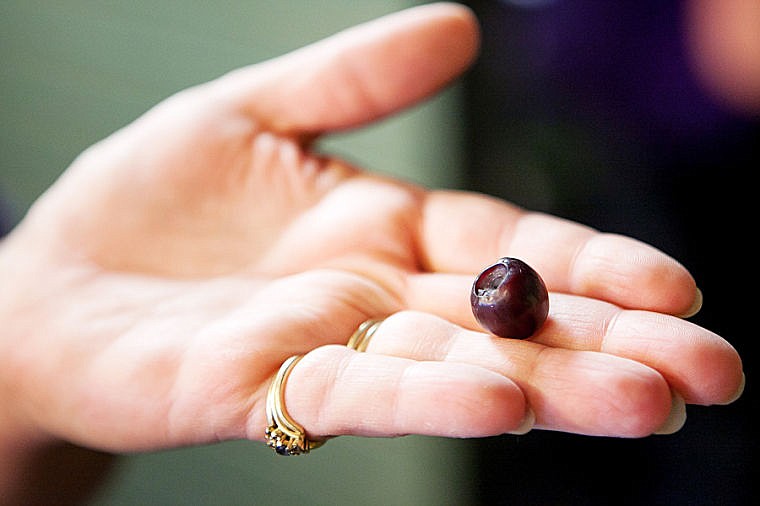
{"points": [[6, 221]]}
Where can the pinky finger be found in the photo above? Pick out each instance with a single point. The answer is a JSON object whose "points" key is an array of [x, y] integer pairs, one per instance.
{"points": [[336, 391]]}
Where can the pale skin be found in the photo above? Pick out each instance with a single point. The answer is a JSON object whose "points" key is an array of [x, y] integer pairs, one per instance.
{"points": [[151, 294]]}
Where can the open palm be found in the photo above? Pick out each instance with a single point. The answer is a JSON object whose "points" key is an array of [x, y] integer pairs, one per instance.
{"points": [[179, 262]]}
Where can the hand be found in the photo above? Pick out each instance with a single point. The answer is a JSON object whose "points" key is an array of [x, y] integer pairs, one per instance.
{"points": [[151, 294]]}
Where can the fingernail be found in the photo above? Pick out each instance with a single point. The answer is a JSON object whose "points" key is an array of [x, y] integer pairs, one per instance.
{"points": [[676, 418], [696, 305], [739, 391], [528, 422]]}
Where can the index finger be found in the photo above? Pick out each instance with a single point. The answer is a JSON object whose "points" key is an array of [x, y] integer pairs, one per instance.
{"points": [[464, 233]]}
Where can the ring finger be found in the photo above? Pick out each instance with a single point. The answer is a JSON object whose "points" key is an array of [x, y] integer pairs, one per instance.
{"points": [[568, 390]]}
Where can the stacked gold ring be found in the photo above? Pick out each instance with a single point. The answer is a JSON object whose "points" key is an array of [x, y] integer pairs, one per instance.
{"points": [[284, 435], [360, 339]]}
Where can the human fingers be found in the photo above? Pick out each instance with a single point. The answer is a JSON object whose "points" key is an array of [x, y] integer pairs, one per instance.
{"points": [[567, 390], [703, 367], [335, 390], [358, 75], [464, 233], [700, 365]]}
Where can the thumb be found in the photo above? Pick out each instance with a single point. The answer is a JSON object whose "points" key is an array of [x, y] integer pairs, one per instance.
{"points": [[359, 75]]}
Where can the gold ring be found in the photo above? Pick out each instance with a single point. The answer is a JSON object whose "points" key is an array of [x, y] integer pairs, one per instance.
{"points": [[284, 435], [360, 339]]}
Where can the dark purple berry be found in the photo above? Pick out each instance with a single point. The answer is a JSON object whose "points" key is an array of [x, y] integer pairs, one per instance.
{"points": [[509, 299]]}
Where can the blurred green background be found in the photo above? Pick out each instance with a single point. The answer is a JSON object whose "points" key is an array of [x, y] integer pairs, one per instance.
{"points": [[74, 71]]}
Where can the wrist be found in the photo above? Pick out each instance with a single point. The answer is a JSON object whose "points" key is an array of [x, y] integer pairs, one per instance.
{"points": [[35, 467], [18, 434]]}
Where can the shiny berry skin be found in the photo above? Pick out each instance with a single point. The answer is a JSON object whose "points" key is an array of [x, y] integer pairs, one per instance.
{"points": [[509, 299]]}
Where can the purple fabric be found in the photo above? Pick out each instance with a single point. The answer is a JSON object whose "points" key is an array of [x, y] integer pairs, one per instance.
{"points": [[625, 60]]}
